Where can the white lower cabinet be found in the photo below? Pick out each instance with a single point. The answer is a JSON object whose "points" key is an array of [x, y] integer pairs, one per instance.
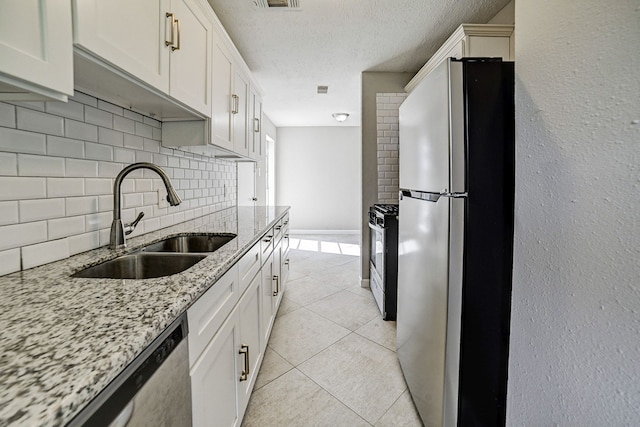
{"points": [[228, 335]]}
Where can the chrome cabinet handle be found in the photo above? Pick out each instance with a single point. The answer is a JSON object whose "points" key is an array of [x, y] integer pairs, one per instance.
{"points": [[278, 227], [268, 239], [277, 291], [173, 21], [244, 350], [256, 125], [235, 103]]}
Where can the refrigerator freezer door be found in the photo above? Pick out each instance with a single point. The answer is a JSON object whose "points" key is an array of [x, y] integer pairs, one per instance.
{"points": [[424, 134], [423, 260]]}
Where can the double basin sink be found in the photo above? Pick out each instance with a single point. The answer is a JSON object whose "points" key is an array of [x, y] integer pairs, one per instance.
{"points": [[164, 258]]}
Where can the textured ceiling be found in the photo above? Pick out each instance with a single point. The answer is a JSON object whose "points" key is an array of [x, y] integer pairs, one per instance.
{"points": [[331, 42]]}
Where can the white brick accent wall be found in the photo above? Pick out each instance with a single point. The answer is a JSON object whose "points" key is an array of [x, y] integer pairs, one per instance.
{"points": [[387, 106], [57, 166]]}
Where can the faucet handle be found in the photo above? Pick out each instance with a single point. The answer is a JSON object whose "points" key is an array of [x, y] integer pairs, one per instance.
{"points": [[128, 228]]}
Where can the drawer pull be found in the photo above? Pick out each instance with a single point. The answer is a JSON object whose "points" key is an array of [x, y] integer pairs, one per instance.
{"points": [[244, 350], [277, 291]]}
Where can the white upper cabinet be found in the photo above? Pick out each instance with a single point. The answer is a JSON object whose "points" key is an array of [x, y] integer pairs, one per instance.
{"points": [[221, 117], [471, 40], [164, 44], [36, 56], [240, 111]]}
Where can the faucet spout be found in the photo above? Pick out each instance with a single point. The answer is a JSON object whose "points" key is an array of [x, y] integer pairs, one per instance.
{"points": [[117, 238]]}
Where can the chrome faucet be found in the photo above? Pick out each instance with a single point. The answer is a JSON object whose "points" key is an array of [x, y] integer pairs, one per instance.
{"points": [[118, 230]]}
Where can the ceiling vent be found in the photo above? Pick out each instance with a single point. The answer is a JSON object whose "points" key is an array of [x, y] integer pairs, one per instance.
{"points": [[277, 4], [323, 89]]}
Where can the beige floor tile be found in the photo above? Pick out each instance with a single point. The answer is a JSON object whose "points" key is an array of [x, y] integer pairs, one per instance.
{"points": [[295, 400], [339, 276], [301, 334], [346, 309], [380, 331], [401, 414], [307, 290], [287, 306], [359, 290], [273, 365], [363, 375]]}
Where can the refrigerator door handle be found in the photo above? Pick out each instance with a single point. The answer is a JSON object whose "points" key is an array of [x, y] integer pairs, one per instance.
{"points": [[430, 197]]}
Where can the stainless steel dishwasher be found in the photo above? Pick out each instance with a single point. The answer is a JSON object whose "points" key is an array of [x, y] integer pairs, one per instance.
{"points": [[154, 390]]}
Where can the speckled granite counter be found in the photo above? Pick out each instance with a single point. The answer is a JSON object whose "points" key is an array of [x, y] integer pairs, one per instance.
{"points": [[63, 339]]}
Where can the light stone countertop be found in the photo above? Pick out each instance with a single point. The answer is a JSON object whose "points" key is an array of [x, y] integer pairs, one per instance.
{"points": [[63, 339]]}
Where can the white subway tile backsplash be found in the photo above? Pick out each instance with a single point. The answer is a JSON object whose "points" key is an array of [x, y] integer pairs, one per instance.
{"points": [[31, 105], [19, 141], [17, 235], [98, 186], [81, 168], [109, 170], [73, 110], [98, 151], [8, 164], [105, 203], [20, 188], [9, 213], [44, 253], [39, 209], [64, 227], [81, 205], [83, 242], [98, 117], [133, 115], [98, 221], [143, 156], [112, 108], [151, 146], [68, 203], [7, 115], [36, 121], [143, 130], [110, 137], [9, 261], [64, 147], [65, 187], [30, 165], [123, 155], [79, 130], [124, 124]]}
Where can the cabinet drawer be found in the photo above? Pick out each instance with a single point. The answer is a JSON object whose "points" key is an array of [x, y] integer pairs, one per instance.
{"points": [[249, 266], [210, 311]]}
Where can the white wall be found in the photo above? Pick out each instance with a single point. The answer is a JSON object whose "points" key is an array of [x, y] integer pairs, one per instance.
{"points": [[575, 334], [318, 175]]}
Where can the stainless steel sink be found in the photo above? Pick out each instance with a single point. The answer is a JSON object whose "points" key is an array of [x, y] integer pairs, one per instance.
{"points": [[141, 265], [193, 243]]}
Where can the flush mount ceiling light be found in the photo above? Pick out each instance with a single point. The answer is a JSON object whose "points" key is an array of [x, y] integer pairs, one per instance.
{"points": [[269, 4], [340, 117]]}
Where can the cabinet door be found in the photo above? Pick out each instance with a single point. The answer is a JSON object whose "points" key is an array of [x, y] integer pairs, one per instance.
{"points": [[267, 290], [127, 34], [35, 49], [240, 112], [251, 350], [221, 96], [190, 59], [214, 379]]}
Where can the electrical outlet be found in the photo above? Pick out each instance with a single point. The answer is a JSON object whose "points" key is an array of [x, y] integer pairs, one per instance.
{"points": [[162, 199]]}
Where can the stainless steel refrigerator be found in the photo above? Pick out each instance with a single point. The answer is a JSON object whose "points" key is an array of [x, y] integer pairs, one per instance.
{"points": [[455, 241]]}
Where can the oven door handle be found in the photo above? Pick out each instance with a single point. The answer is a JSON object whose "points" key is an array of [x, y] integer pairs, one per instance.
{"points": [[376, 228]]}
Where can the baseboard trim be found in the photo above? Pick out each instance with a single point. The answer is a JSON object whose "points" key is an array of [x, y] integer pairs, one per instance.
{"points": [[293, 231]]}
